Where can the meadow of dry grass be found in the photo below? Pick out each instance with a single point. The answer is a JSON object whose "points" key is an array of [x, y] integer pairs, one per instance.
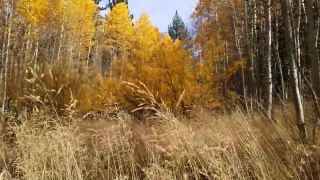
{"points": [[42, 145], [208, 146]]}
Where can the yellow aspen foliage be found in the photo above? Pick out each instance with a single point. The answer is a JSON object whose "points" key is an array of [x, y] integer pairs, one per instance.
{"points": [[147, 38], [53, 32], [35, 12], [79, 18], [71, 20], [119, 35], [94, 94], [162, 65]]}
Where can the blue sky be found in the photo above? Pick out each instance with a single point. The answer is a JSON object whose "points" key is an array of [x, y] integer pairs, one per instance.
{"points": [[161, 11]]}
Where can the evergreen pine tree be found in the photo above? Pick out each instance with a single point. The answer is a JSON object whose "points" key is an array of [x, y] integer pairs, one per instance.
{"points": [[177, 29]]}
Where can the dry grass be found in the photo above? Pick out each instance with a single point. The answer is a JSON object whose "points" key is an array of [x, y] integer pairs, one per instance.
{"points": [[211, 147], [236, 146]]}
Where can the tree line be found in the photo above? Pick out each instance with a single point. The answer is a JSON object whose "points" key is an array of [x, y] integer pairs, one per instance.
{"points": [[277, 39]]}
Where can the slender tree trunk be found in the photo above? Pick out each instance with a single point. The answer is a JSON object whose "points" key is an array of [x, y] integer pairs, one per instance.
{"points": [[79, 56], [36, 56], [19, 62], [268, 76], [71, 54], [287, 16], [60, 42], [239, 53], [317, 24], [276, 46], [3, 56], [261, 57], [225, 64], [8, 25], [296, 23], [250, 55], [88, 56], [53, 50], [254, 45]]}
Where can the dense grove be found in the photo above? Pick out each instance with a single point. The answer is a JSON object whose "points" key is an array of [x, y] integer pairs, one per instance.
{"points": [[68, 48]]}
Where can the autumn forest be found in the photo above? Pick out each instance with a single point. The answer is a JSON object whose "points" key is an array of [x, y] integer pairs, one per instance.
{"points": [[233, 95]]}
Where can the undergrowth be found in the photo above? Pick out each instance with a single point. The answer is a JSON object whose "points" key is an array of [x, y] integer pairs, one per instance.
{"points": [[237, 146]]}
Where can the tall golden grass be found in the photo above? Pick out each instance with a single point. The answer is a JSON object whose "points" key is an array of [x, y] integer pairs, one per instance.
{"points": [[236, 146]]}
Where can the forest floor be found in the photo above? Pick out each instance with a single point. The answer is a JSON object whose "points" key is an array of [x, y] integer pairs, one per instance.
{"points": [[208, 146]]}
